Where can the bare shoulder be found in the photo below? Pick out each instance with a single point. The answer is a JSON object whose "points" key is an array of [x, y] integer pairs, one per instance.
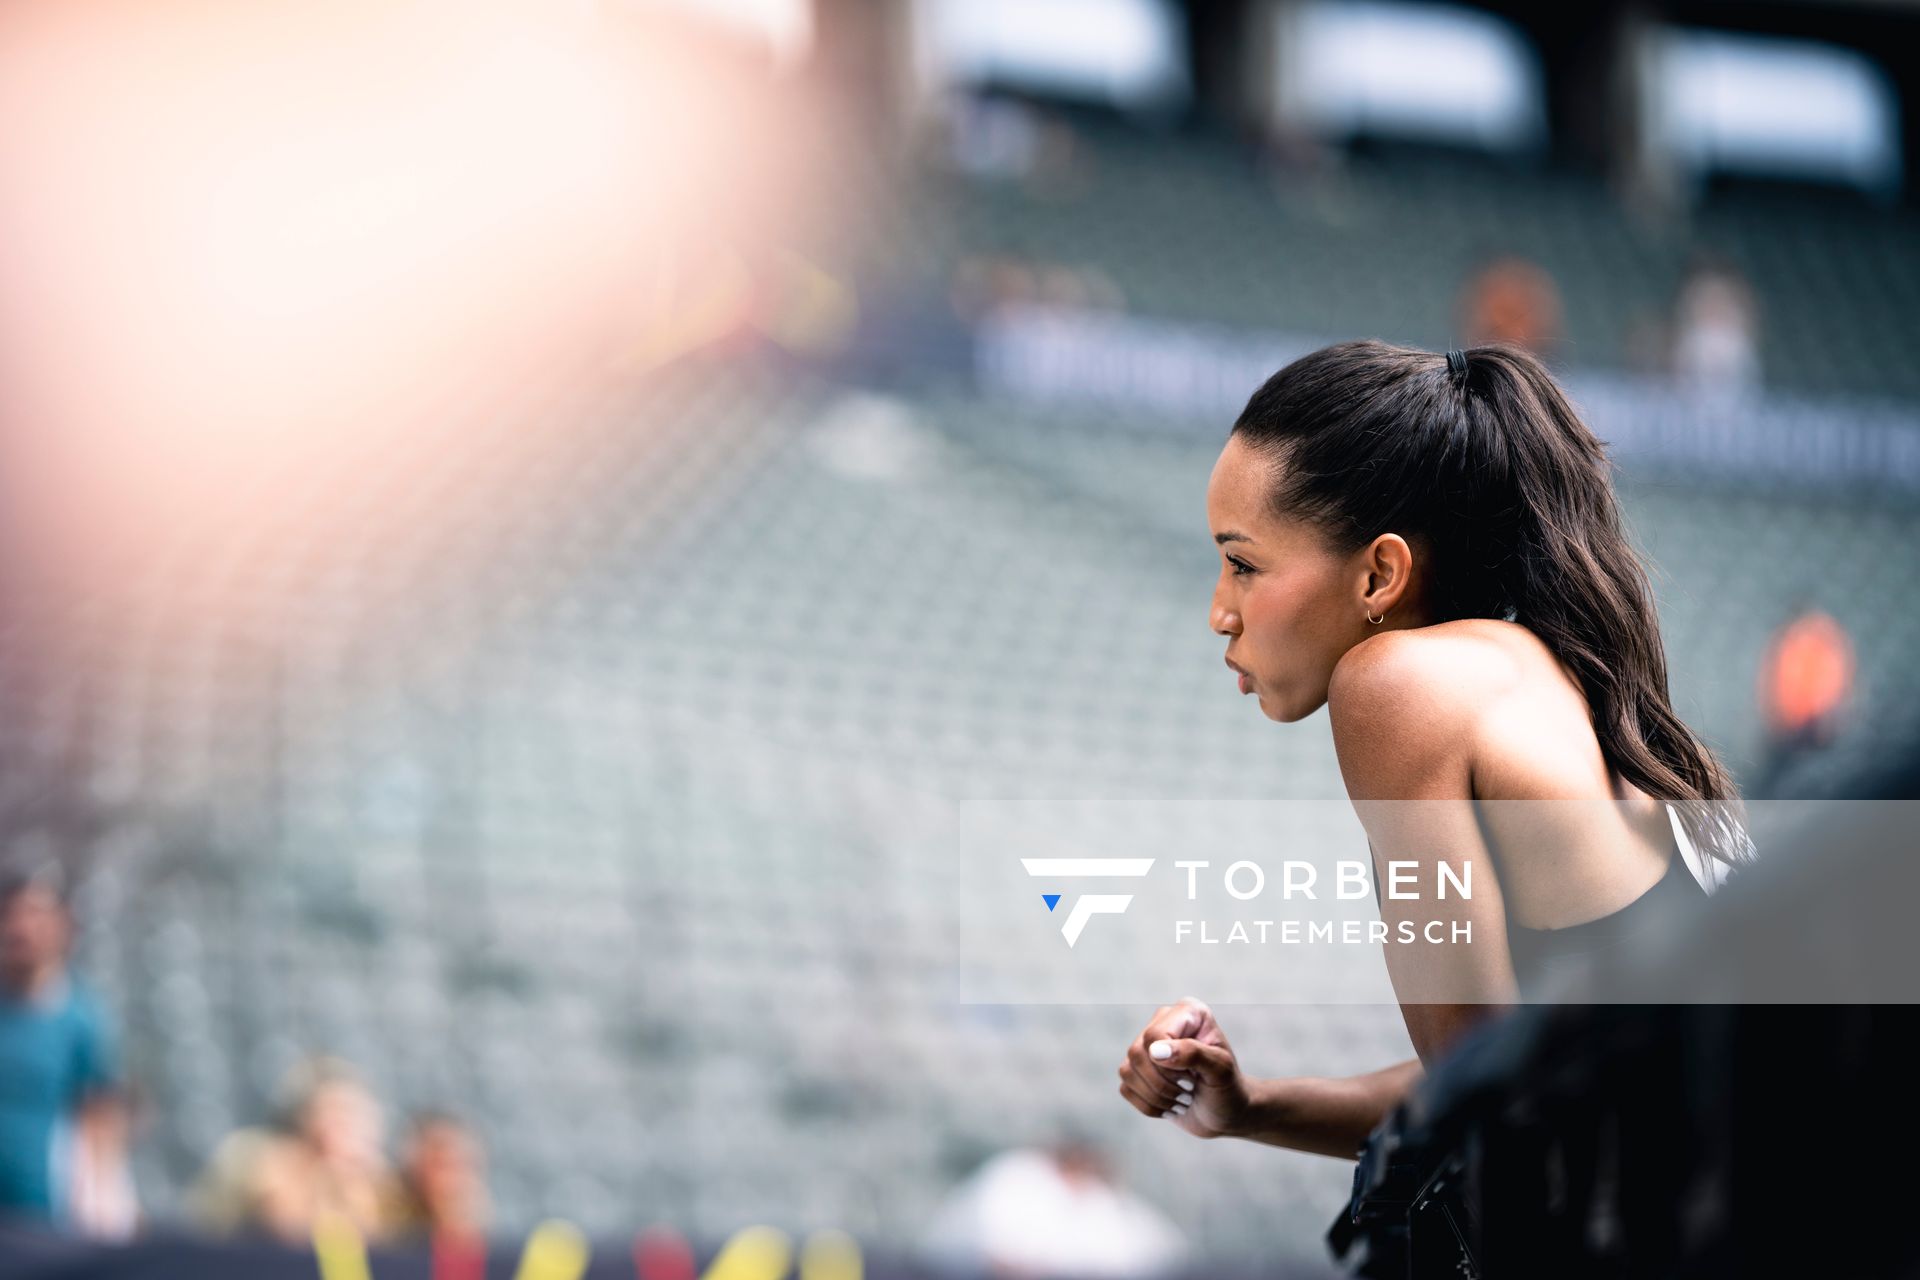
{"points": [[1446, 670], [1407, 706]]}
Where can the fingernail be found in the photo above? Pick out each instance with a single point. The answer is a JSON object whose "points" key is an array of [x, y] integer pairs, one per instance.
{"points": [[1186, 1099], [1179, 1111], [1160, 1050], [1185, 1084]]}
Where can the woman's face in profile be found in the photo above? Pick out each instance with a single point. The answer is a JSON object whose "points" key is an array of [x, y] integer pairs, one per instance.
{"points": [[1287, 604]]}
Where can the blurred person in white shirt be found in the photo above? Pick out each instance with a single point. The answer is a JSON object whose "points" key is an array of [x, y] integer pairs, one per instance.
{"points": [[1054, 1213], [1716, 330]]}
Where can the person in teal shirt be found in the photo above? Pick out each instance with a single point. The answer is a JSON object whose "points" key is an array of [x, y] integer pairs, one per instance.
{"points": [[58, 1074]]}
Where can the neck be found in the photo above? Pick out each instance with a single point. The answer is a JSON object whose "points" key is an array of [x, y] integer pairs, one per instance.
{"points": [[26, 984], [1407, 617]]}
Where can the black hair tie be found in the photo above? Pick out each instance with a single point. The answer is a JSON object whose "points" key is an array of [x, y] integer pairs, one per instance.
{"points": [[1456, 363]]}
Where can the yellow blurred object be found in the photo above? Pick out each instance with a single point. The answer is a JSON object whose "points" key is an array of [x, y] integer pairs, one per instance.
{"points": [[690, 305], [812, 311], [831, 1255], [555, 1251], [341, 1252], [757, 1253]]}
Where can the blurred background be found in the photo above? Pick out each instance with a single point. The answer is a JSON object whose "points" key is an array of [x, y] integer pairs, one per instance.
{"points": [[534, 536]]}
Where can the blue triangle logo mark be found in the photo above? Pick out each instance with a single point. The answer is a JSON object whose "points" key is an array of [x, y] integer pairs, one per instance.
{"points": [[1051, 899]]}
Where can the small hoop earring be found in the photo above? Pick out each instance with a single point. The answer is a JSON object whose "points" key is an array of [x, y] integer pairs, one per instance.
{"points": [[1376, 621]]}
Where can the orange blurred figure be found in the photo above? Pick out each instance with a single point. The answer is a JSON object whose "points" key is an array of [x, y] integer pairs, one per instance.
{"points": [[1511, 300], [1805, 680]]}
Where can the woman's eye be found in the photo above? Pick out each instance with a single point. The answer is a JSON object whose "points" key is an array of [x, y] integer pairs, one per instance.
{"points": [[1240, 567]]}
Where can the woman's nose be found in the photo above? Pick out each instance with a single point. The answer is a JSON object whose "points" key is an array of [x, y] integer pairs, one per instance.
{"points": [[1225, 622]]}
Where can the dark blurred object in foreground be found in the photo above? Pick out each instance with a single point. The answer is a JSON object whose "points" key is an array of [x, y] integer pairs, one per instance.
{"points": [[1674, 1139]]}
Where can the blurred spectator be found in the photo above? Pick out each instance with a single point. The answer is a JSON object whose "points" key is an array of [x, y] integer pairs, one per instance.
{"points": [[443, 1180], [1805, 679], [62, 1131], [1052, 1213], [999, 138], [983, 283], [1511, 300], [325, 1157], [105, 1205], [1716, 329]]}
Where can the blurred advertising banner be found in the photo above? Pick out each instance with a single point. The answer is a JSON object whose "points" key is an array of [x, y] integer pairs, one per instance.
{"points": [[756, 1253]]}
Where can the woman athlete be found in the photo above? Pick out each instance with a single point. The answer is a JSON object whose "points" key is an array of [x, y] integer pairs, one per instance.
{"points": [[1430, 546]]}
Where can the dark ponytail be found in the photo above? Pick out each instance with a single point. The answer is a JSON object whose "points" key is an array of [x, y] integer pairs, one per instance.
{"points": [[1495, 476]]}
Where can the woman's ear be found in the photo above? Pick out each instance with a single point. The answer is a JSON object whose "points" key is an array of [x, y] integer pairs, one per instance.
{"points": [[1387, 565]]}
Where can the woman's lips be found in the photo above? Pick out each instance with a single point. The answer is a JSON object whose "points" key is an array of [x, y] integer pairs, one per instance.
{"points": [[1246, 683]]}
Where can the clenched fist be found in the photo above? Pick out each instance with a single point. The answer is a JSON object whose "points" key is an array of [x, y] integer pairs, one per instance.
{"points": [[1182, 1067]]}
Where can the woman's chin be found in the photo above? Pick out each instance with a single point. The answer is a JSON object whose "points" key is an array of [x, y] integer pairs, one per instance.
{"points": [[1279, 710]]}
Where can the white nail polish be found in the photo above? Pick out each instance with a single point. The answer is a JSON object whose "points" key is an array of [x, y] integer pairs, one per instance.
{"points": [[1185, 1084], [1179, 1111], [1186, 1099]]}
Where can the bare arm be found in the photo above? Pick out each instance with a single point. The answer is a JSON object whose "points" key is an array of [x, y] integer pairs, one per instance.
{"points": [[1404, 729], [1326, 1116], [1181, 1068]]}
